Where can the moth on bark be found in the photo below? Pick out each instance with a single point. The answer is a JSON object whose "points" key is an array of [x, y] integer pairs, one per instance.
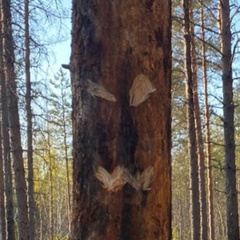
{"points": [[111, 182], [97, 90], [140, 90], [120, 176]]}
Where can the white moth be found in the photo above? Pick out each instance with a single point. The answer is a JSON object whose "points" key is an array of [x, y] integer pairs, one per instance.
{"points": [[133, 180], [141, 181], [111, 182], [146, 178], [97, 90], [140, 90]]}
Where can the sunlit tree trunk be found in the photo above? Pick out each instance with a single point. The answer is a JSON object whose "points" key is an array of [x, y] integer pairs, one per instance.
{"points": [[194, 173], [28, 97], [207, 132], [120, 69], [228, 114], [14, 123], [201, 163], [199, 138]]}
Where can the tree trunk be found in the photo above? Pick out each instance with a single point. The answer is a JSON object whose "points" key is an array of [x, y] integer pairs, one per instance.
{"points": [[6, 142], [67, 165], [207, 132], [194, 174], [201, 163], [120, 70], [51, 183], [228, 113], [199, 138], [20, 182], [28, 98], [3, 234]]}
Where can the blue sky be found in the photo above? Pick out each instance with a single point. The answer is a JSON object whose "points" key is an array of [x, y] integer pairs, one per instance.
{"points": [[62, 50]]}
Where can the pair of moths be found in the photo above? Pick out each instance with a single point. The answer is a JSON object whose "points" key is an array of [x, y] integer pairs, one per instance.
{"points": [[120, 176], [139, 92]]}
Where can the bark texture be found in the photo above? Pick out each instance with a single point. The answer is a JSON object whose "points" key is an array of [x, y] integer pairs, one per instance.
{"points": [[8, 185], [193, 157], [14, 124], [113, 43], [229, 133]]}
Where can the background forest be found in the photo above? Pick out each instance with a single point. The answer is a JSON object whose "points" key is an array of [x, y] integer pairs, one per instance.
{"points": [[41, 43]]}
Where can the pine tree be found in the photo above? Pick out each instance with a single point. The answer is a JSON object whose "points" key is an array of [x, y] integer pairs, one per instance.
{"points": [[14, 123], [121, 120], [228, 118]]}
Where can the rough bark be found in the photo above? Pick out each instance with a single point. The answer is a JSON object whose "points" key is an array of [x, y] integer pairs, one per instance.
{"points": [[113, 43], [16, 148], [8, 186], [228, 114], [207, 132], [194, 173]]}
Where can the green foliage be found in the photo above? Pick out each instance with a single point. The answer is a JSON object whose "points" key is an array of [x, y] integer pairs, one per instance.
{"points": [[52, 147]]}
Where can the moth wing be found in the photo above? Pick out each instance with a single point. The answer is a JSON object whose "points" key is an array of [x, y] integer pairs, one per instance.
{"points": [[140, 90], [118, 179], [132, 180], [146, 178], [97, 90], [103, 176], [112, 182]]}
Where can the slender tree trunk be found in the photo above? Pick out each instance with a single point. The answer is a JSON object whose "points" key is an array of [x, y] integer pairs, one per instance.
{"points": [[222, 228], [66, 150], [31, 202], [228, 113], [207, 132], [20, 182], [51, 211], [201, 163], [3, 235], [67, 169], [51, 202], [120, 70], [6, 141], [194, 173], [199, 138]]}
